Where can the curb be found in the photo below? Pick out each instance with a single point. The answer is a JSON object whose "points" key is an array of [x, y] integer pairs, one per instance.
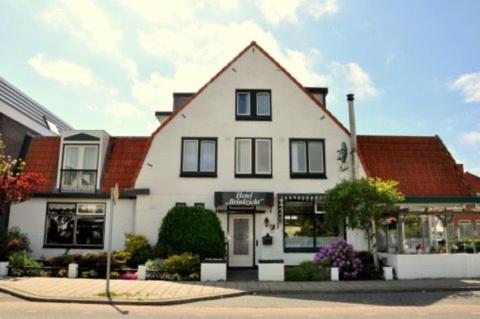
{"points": [[169, 302], [123, 302]]}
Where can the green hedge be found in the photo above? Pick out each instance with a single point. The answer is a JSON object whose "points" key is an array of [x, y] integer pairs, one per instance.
{"points": [[191, 229]]}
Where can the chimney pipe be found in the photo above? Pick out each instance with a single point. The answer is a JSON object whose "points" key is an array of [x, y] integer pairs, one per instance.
{"points": [[353, 133]]}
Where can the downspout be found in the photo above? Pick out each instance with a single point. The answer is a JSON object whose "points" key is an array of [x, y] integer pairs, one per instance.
{"points": [[353, 133]]}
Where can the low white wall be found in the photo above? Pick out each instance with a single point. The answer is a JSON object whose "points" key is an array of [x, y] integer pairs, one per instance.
{"points": [[271, 271], [30, 216], [435, 265], [213, 271]]}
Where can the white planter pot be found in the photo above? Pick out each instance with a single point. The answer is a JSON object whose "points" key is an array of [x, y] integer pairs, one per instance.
{"points": [[271, 270], [388, 273], [334, 274], [142, 272], [213, 270], [3, 268], [72, 270]]}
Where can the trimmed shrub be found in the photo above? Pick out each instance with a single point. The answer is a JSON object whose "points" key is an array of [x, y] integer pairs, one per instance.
{"points": [[306, 271], [155, 265], [184, 264], [13, 241], [191, 229]]}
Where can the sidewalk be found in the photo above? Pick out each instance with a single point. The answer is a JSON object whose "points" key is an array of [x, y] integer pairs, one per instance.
{"points": [[167, 293]]}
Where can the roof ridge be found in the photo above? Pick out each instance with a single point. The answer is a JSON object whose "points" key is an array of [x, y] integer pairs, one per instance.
{"points": [[410, 136]]}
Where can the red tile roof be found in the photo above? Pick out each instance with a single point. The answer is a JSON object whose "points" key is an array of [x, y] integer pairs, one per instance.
{"points": [[421, 164], [474, 181], [124, 160], [42, 157], [124, 157]]}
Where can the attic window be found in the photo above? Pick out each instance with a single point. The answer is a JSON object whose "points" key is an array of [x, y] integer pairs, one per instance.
{"points": [[253, 105]]}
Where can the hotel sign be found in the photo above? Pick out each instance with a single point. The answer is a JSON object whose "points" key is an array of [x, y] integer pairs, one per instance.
{"points": [[243, 199]]}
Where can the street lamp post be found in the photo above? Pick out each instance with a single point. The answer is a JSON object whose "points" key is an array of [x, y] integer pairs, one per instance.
{"points": [[114, 199]]}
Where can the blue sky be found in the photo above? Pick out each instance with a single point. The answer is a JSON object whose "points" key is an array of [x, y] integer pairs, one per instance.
{"points": [[110, 64]]}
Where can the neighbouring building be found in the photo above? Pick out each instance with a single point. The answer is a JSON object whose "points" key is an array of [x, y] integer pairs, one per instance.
{"points": [[21, 116], [253, 145]]}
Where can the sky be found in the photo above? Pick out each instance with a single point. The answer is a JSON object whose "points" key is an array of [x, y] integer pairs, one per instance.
{"points": [[414, 66]]}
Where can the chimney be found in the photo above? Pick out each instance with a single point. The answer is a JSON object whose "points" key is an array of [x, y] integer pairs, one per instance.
{"points": [[353, 133], [162, 116], [180, 98], [319, 93]]}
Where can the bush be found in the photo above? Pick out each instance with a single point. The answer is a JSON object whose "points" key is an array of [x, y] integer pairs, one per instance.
{"points": [[63, 261], [22, 265], [368, 270], [139, 248], [184, 264], [191, 229], [155, 265], [13, 241], [339, 254], [306, 271]]}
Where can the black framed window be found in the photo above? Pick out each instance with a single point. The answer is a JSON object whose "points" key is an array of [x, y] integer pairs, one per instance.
{"points": [[253, 105], [307, 158], [199, 157], [304, 229], [253, 157], [77, 225]]}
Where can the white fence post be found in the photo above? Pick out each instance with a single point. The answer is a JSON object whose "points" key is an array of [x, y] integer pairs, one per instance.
{"points": [[72, 270], [4, 268], [388, 273], [334, 274], [142, 272]]}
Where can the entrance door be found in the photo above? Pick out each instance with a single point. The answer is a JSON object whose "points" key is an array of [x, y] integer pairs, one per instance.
{"points": [[240, 248]]}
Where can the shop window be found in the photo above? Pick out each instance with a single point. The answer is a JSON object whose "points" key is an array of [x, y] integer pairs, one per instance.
{"points": [[305, 230], [253, 105], [199, 157], [75, 225], [307, 158], [253, 157]]}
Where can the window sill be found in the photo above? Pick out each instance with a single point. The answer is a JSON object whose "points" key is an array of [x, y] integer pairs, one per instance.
{"points": [[253, 176], [308, 175], [252, 118], [195, 174], [301, 250]]}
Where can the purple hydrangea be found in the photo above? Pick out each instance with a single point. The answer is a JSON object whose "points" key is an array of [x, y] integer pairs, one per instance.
{"points": [[339, 254]]}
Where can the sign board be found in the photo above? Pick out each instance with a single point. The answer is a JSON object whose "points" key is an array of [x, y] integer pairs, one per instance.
{"points": [[242, 199]]}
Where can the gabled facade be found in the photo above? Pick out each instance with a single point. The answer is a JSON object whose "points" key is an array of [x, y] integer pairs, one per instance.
{"points": [[252, 144]]}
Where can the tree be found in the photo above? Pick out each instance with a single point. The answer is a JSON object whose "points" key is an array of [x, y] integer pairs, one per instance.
{"points": [[15, 184], [360, 204]]}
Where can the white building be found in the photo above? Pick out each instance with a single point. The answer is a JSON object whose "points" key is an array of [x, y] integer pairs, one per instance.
{"points": [[252, 144]]}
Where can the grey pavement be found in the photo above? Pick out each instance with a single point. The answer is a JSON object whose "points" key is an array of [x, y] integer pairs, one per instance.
{"points": [[165, 292]]}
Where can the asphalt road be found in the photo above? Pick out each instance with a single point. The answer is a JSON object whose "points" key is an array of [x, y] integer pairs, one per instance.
{"points": [[456, 305]]}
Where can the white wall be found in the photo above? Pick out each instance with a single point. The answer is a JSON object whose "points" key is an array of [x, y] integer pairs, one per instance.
{"points": [[435, 265], [212, 114], [30, 217]]}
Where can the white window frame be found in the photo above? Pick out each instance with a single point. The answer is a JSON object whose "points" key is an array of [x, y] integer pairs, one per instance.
{"points": [[80, 156], [237, 156], [248, 100], [269, 156], [269, 103], [464, 221]]}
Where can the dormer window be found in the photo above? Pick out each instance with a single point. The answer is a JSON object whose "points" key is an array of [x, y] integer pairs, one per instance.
{"points": [[79, 168], [253, 105]]}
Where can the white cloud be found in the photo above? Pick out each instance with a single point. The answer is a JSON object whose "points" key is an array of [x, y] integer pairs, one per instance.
{"points": [[123, 110], [278, 11], [469, 86], [90, 24], [61, 71], [471, 138], [352, 78]]}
